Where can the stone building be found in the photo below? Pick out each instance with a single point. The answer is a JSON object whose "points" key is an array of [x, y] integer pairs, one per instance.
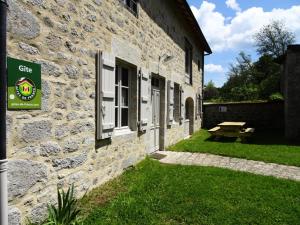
{"points": [[291, 92], [120, 79]]}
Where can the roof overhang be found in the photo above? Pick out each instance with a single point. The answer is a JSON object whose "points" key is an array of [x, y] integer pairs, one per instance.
{"points": [[188, 14]]}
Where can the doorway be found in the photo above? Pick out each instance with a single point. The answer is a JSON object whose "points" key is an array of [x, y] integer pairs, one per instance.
{"points": [[155, 120]]}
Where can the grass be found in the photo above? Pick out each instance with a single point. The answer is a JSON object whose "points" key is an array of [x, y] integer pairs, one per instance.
{"points": [[268, 146], [152, 193]]}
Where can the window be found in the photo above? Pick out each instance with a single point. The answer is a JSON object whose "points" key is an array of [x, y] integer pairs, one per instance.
{"points": [[155, 82], [223, 109], [132, 5], [188, 61], [176, 102], [117, 98], [122, 97]]}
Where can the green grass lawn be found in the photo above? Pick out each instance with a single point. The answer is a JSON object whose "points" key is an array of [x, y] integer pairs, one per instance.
{"points": [[152, 193], [268, 146]]}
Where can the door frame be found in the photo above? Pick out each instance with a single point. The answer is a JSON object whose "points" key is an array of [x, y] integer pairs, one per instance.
{"points": [[155, 127], [161, 87]]}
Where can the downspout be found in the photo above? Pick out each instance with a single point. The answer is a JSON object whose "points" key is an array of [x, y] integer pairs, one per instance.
{"points": [[3, 84], [203, 56]]}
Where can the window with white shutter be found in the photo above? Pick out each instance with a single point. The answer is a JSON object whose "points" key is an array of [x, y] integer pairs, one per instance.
{"points": [[105, 95], [170, 102], [177, 103], [144, 99], [182, 108], [197, 106]]}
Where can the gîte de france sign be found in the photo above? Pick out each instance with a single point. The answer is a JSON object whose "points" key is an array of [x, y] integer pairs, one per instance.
{"points": [[24, 84]]}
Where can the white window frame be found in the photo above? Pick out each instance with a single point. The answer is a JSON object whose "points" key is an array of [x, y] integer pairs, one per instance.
{"points": [[118, 116]]}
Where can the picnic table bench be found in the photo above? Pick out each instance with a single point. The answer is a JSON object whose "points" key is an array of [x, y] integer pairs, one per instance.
{"points": [[232, 129]]}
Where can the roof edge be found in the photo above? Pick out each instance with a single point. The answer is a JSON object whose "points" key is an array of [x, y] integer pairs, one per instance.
{"points": [[206, 45]]}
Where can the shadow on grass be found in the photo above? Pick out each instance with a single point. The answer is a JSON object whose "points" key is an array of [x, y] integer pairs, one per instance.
{"points": [[261, 137], [222, 139]]}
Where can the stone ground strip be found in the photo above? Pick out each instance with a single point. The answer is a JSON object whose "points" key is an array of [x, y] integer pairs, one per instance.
{"points": [[244, 165]]}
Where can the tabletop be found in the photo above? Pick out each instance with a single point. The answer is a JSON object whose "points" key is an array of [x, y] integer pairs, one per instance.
{"points": [[238, 124]]}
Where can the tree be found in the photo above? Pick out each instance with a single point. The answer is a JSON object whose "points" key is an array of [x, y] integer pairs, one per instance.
{"points": [[210, 91], [259, 80], [273, 39], [267, 76], [240, 86], [249, 80]]}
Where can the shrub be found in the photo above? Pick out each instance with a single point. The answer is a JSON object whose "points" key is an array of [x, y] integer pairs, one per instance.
{"points": [[65, 212], [276, 97]]}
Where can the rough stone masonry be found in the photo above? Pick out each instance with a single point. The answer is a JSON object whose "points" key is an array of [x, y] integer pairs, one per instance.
{"points": [[56, 146]]}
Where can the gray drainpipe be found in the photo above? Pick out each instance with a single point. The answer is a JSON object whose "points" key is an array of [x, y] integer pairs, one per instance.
{"points": [[203, 56], [3, 84]]}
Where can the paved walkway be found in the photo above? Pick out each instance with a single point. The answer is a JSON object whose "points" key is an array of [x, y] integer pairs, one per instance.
{"points": [[256, 167]]}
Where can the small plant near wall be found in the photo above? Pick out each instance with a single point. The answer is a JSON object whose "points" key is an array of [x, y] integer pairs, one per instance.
{"points": [[65, 212]]}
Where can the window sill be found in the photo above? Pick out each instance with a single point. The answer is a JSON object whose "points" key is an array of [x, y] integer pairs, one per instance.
{"points": [[122, 131]]}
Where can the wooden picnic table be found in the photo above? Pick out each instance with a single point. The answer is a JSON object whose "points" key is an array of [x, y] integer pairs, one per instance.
{"points": [[232, 129], [231, 126], [228, 129]]}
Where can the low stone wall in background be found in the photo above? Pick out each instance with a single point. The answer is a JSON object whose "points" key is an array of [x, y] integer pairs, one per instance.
{"points": [[266, 115]]}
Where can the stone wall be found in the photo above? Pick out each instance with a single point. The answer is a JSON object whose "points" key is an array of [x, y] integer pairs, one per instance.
{"points": [[269, 115], [56, 145], [291, 92]]}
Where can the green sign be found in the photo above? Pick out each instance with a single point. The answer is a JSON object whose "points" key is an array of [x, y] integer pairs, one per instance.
{"points": [[24, 84]]}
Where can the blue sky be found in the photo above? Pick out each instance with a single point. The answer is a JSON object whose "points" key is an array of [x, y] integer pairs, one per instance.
{"points": [[229, 26]]}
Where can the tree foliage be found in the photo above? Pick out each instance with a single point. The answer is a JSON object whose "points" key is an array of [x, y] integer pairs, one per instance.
{"points": [[259, 80], [273, 39], [239, 86], [210, 91], [249, 80]]}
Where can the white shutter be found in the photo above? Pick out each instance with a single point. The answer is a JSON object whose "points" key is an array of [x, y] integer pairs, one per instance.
{"points": [[106, 95], [182, 109], [170, 102], [144, 99]]}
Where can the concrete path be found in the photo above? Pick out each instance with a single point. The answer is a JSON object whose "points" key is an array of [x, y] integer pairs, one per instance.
{"points": [[256, 167]]}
